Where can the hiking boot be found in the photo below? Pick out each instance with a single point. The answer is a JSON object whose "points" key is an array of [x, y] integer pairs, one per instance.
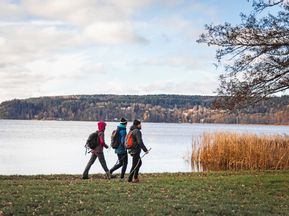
{"points": [[108, 175], [85, 177], [135, 181], [113, 176]]}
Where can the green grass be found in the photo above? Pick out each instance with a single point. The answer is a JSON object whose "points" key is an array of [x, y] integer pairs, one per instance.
{"points": [[217, 193]]}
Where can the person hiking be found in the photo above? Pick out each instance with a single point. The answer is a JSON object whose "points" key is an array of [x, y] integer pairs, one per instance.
{"points": [[98, 152], [135, 151], [120, 149]]}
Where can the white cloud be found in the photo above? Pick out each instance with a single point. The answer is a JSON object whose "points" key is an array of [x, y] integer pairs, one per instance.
{"points": [[2, 41], [44, 45], [111, 33], [10, 11], [82, 12], [185, 87], [33, 52], [175, 61], [45, 76], [168, 87], [64, 25], [30, 40]]}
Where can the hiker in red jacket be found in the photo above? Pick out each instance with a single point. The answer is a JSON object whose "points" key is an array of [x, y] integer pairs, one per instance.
{"points": [[98, 152]]}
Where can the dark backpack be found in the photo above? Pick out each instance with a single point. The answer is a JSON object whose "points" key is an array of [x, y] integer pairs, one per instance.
{"points": [[92, 141], [115, 139]]}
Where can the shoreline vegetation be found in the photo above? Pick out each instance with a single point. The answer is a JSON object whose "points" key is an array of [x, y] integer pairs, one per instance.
{"points": [[207, 193], [240, 151], [148, 108]]}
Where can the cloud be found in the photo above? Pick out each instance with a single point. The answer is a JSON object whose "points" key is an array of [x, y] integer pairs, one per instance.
{"points": [[203, 8], [162, 87], [52, 47], [47, 75], [96, 22], [36, 37], [185, 87], [111, 33], [10, 11], [172, 61], [17, 82], [33, 29], [83, 12]]}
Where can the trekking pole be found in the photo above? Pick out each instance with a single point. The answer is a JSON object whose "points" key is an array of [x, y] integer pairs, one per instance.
{"points": [[146, 153], [139, 160]]}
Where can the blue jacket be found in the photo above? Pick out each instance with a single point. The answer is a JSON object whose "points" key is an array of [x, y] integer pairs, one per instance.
{"points": [[122, 133]]}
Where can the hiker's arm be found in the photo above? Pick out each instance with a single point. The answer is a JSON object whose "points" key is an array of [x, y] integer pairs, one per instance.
{"points": [[140, 141], [101, 141], [122, 141]]}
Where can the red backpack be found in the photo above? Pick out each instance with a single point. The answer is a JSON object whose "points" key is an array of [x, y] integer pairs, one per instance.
{"points": [[129, 140]]}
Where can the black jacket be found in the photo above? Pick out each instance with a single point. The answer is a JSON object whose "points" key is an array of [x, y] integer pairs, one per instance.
{"points": [[137, 141]]}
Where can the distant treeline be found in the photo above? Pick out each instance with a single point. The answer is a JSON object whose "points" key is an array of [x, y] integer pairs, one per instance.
{"points": [[150, 108]]}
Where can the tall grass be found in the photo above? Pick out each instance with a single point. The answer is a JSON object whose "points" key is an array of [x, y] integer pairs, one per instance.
{"points": [[233, 151]]}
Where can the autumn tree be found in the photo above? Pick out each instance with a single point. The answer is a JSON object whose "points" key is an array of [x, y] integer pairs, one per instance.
{"points": [[256, 53]]}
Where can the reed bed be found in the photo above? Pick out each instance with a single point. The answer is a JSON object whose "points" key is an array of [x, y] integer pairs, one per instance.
{"points": [[234, 151]]}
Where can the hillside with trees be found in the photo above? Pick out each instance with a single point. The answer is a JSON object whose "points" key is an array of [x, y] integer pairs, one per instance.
{"points": [[149, 108]]}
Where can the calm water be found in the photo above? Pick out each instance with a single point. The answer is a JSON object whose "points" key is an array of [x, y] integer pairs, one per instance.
{"points": [[57, 147]]}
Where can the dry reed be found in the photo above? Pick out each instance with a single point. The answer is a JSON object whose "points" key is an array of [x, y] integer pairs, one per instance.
{"points": [[233, 151]]}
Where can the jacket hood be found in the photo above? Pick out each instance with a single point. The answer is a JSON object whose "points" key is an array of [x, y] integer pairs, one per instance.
{"points": [[101, 126], [121, 126], [133, 127]]}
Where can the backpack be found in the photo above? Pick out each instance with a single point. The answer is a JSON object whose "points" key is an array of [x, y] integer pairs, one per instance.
{"points": [[92, 141], [115, 139], [129, 140]]}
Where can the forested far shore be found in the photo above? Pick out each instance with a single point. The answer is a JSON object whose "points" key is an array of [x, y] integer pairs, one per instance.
{"points": [[148, 108]]}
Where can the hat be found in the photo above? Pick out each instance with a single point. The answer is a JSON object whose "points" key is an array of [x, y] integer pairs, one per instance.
{"points": [[123, 120], [136, 122]]}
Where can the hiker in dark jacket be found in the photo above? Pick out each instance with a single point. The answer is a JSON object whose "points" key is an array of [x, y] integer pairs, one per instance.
{"points": [[98, 152], [121, 150], [135, 151]]}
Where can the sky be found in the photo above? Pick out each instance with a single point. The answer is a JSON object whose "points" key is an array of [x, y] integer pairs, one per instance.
{"points": [[72, 47]]}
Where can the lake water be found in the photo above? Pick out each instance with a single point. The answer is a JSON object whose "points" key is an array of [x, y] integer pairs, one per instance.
{"points": [[57, 147]]}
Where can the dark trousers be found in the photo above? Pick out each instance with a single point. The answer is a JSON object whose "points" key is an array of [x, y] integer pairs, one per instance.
{"points": [[92, 160], [122, 162], [136, 164]]}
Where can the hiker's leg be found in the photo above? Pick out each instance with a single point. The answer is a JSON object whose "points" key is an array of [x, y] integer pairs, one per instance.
{"points": [[118, 165], [90, 162], [124, 165], [137, 168], [133, 167], [102, 161]]}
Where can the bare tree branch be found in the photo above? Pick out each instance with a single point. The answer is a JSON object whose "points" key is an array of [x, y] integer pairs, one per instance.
{"points": [[259, 51]]}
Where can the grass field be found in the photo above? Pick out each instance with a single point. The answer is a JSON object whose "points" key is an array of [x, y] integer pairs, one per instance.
{"points": [[216, 193]]}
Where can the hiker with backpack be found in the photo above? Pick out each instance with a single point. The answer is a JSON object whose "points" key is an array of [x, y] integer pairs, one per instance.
{"points": [[117, 142], [96, 143], [134, 144]]}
